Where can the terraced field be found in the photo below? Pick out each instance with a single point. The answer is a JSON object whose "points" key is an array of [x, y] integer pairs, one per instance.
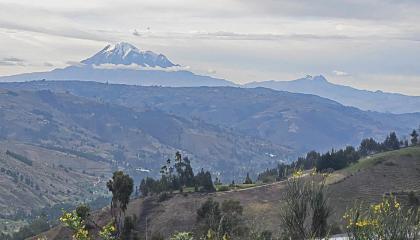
{"points": [[395, 172], [33, 178]]}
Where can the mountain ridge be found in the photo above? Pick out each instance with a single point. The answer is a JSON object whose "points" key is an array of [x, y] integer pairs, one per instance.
{"points": [[292, 119], [363, 99]]}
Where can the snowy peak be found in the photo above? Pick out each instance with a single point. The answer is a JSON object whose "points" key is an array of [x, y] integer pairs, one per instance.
{"points": [[127, 54]]}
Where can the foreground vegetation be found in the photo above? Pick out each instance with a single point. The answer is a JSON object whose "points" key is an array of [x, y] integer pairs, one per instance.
{"points": [[304, 215]]}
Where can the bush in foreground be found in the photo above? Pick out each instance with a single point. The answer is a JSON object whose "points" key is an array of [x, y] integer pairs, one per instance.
{"points": [[385, 220]]}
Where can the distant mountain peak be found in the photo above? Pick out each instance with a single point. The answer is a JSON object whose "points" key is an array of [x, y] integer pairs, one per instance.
{"points": [[124, 53], [318, 78]]}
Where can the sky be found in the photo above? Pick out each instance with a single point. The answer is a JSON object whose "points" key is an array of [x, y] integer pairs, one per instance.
{"points": [[367, 44]]}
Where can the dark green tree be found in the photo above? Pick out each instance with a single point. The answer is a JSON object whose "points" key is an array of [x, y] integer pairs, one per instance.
{"points": [[414, 137], [369, 146], [209, 214], [204, 181], [391, 142], [232, 222], [121, 185], [248, 179], [222, 219], [83, 211]]}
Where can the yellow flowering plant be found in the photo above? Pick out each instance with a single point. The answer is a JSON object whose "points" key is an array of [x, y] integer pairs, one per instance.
{"points": [[297, 174], [76, 224], [182, 236], [384, 220], [108, 232]]}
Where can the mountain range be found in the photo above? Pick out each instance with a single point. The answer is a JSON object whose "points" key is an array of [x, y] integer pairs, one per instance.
{"points": [[362, 99], [302, 122], [126, 64]]}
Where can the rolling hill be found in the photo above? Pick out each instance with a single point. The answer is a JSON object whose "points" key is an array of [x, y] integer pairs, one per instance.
{"points": [[396, 172]]}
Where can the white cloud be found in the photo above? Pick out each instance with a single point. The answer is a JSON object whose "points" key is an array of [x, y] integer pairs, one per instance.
{"points": [[74, 63], [340, 73], [211, 71], [12, 61], [139, 67]]}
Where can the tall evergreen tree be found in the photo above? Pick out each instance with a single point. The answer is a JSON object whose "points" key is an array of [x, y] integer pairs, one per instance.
{"points": [[248, 179], [121, 186], [414, 137], [391, 142]]}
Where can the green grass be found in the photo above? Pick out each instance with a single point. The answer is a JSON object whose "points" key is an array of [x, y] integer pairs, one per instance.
{"points": [[380, 157], [225, 187], [189, 190], [244, 186], [370, 161]]}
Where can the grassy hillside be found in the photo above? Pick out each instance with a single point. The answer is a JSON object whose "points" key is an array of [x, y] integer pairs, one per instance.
{"points": [[396, 172]]}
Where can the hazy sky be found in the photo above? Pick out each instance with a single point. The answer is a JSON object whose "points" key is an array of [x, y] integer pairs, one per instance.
{"points": [[369, 44]]}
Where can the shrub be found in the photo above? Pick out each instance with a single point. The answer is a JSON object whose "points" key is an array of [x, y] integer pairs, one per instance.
{"points": [[305, 212], [182, 236], [164, 196], [385, 220], [83, 211]]}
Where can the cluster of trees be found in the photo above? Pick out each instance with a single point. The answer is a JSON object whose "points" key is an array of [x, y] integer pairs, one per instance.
{"points": [[369, 146], [338, 159], [177, 175], [19, 157]]}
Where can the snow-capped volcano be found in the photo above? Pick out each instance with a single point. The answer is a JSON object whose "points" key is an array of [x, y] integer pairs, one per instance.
{"points": [[126, 54], [124, 63]]}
